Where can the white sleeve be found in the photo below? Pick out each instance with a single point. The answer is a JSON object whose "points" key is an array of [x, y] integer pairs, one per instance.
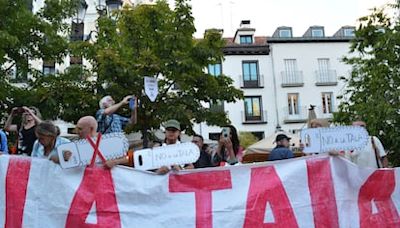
{"points": [[379, 147]]}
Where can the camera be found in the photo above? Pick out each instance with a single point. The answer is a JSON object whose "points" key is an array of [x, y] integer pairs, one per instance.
{"points": [[226, 132], [20, 110]]}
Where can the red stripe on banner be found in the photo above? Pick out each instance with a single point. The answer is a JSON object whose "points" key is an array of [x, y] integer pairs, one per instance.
{"points": [[202, 184], [322, 193], [266, 186], [16, 186], [378, 190], [96, 187]]}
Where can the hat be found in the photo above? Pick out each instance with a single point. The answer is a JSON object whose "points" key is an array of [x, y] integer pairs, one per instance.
{"points": [[281, 137], [172, 124]]}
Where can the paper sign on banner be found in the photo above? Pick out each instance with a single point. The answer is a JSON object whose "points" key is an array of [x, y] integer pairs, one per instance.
{"points": [[151, 88], [177, 154], [113, 145], [320, 140]]}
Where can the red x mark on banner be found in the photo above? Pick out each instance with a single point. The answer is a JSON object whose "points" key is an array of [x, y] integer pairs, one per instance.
{"points": [[96, 149]]}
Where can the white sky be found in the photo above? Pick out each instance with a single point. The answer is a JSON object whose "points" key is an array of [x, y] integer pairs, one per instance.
{"points": [[267, 15]]}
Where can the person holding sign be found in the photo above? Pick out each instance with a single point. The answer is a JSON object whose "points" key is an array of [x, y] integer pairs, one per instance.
{"points": [[372, 155], [172, 136], [47, 141], [108, 121]]}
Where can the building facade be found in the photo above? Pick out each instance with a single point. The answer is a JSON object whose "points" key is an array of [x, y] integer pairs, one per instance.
{"points": [[281, 77]]}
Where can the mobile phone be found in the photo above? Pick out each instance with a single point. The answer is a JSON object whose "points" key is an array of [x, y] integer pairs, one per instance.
{"points": [[226, 132], [132, 103]]}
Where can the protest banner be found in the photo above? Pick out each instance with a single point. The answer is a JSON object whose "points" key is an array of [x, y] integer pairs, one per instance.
{"points": [[315, 191]]}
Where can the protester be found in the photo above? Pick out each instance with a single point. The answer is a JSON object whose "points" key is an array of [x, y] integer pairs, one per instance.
{"points": [[229, 149], [372, 155], [281, 151], [87, 126], [317, 123], [205, 158], [172, 136], [3, 142], [108, 121], [26, 131], [47, 141]]}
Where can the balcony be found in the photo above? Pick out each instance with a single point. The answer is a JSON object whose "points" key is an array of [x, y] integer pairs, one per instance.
{"points": [[217, 107], [251, 119], [259, 83], [326, 78], [292, 79], [295, 116]]}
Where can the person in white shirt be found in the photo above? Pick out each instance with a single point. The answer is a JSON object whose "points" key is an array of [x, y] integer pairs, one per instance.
{"points": [[372, 155]]}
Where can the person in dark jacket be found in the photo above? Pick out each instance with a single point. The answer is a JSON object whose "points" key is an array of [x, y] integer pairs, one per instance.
{"points": [[281, 151]]}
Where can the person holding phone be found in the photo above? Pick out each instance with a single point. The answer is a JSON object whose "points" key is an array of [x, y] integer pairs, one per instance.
{"points": [[26, 130], [229, 149]]}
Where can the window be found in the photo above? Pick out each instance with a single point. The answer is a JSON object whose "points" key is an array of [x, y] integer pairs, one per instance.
{"points": [[77, 31], [323, 70], [217, 106], [287, 33], [247, 39], [49, 67], [215, 69], [252, 108], [293, 104], [348, 32], [317, 33], [250, 74], [327, 103], [291, 74]]}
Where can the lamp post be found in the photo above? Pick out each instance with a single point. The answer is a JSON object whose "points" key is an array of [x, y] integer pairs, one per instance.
{"points": [[80, 12]]}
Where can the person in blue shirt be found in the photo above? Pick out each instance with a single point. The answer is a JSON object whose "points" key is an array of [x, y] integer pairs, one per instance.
{"points": [[281, 151], [3, 143]]}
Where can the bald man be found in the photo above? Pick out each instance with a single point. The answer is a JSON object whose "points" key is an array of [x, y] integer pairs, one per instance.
{"points": [[86, 126]]}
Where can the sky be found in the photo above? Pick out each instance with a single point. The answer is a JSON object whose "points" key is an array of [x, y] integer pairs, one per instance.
{"points": [[267, 15]]}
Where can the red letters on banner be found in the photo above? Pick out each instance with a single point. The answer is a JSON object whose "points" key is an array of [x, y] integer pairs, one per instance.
{"points": [[202, 184], [16, 185], [378, 189], [322, 193], [96, 186], [266, 186]]}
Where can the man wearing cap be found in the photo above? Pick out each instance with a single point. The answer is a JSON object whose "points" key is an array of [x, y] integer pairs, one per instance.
{"points": [[281, 151]]}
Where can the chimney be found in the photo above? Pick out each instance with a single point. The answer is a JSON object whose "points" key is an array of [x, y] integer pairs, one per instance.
{"points": [[245, 24]]}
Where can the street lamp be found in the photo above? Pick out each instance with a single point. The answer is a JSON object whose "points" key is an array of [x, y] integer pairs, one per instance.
{"points": [[112, 6], [101, 7], [80, 12]]}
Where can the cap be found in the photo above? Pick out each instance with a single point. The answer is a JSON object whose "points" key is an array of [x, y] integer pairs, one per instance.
{"points": [[281, 137], [172, 124]]}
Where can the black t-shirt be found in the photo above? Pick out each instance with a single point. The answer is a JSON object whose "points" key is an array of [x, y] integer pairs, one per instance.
{"points": [[203, 161], [27, 138]]}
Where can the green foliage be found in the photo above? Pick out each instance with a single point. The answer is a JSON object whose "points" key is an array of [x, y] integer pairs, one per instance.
{"points": [[153, 40], [247, 139], [23, 36], [373, 89]]}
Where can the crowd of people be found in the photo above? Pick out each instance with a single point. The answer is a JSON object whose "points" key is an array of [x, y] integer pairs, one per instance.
{"points": [[38, 138]]}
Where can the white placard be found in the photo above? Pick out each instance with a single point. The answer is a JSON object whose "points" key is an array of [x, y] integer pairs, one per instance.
{"points": [[177, 154], [113, 145], [321, 140], [151, 88]]}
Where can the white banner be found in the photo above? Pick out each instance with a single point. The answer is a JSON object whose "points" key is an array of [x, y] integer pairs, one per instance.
{"points": [[307, 192], [151, 87]]}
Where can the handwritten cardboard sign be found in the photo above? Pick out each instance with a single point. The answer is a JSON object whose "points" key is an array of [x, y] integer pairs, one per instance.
{"points": [[320, 140], [151, 88], [177, 154]]}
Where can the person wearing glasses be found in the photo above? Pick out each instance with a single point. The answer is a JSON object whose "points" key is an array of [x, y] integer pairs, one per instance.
{"points": [[372, 155], [26, 130]]}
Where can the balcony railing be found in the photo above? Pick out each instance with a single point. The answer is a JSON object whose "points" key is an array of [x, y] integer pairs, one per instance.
{"points": [[217, 107], [326, 78], [254, 119], [293, 115], [292, 78], [259, 83]]}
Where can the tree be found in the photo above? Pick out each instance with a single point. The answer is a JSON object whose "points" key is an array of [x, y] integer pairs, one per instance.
{"points": [[247, 139], [373, 89], [153, 40], [28, 36]]}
